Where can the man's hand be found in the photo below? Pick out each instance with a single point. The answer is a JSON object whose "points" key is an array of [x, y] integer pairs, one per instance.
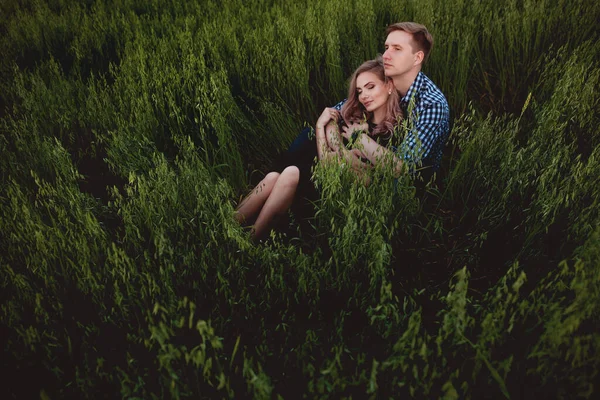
{"points": [[327, 115], [357, 158], [357, 154], [350, 129]]}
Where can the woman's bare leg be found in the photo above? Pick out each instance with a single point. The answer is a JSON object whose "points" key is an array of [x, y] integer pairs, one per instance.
{"points": [[252, 204], [279, 200]]}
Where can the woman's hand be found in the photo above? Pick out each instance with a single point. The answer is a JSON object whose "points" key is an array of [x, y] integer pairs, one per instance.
{"points": [[350, 129], [327, 115]]}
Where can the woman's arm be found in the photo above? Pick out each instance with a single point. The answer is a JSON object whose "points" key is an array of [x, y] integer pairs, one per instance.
{"points": [[352, 157], [329, 141], [322, 147], [333, 136], [328, 116], [372, 150]]}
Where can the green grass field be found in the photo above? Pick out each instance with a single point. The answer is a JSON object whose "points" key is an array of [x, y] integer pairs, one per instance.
{"points": [[131, 129]]}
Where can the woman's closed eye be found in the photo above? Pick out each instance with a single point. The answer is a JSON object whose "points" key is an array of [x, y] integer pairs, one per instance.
{"points": [[369, 87]]}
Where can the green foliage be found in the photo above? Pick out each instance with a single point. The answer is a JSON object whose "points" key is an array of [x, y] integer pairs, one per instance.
{"points": [[129, 128]]}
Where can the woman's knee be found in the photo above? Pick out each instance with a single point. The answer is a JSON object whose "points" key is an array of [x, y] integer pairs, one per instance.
{"points": [[269, 180], [291, 173], [290, 177]]}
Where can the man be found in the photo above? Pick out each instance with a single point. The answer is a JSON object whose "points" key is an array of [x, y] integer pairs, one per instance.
{"points": [[426, 110]]}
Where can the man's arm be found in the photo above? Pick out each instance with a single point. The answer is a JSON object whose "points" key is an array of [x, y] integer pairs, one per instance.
{"points": [[352, 157], [431, 124], [370, 149]]}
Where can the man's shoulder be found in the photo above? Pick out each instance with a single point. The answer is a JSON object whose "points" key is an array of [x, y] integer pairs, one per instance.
{"points": [[430, 96], [339, 105]]}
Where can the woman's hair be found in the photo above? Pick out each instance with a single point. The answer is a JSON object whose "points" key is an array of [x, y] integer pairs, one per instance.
{"points": [[354, 111]]}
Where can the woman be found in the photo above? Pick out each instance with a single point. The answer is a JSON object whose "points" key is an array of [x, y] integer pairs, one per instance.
{"points": [[372, 106], [368, 118]]}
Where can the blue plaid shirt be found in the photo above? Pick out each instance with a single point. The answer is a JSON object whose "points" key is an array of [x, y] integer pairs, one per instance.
{"points": [[427, 122]]}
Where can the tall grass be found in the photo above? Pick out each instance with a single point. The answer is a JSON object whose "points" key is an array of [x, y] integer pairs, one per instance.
{"points": [[129, 129]]}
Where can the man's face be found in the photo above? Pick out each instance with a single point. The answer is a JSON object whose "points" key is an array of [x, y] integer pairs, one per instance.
{"points": [[399, 56]]}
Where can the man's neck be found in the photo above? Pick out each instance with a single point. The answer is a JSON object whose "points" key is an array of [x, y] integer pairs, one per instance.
{"points": [[402, 83]]}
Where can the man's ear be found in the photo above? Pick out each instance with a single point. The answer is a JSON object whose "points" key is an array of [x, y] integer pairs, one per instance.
{"points": [[419, 57]]}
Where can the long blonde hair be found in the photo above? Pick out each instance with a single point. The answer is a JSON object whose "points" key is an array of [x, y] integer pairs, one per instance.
{"points": [[354, 111]]}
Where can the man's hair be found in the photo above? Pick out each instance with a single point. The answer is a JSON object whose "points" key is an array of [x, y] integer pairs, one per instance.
{"points": [[422, 39]]}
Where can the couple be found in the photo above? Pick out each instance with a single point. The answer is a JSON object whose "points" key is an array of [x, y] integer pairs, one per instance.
{"points": [[381, 92]]}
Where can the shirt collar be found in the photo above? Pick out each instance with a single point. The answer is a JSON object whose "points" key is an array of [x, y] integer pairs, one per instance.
{"points": [[413, 89]]}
